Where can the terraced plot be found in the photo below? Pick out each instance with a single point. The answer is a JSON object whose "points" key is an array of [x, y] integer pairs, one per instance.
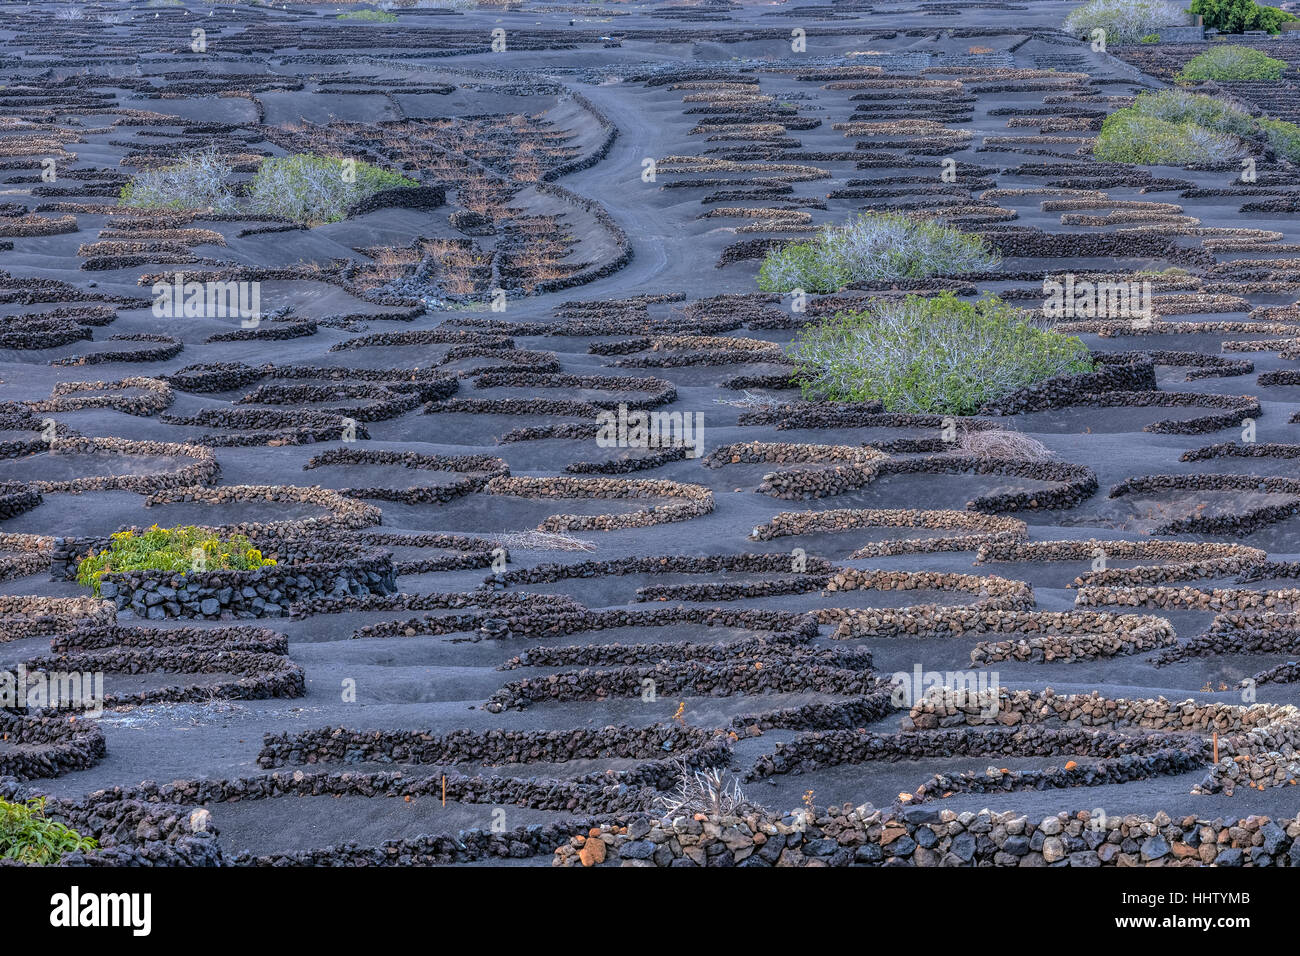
{"points": [[561, 550]]}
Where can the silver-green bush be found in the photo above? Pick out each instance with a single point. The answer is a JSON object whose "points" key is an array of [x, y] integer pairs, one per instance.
{"points": [[198, 181], [932, 355], [1125, 21], [315, 189], [873, 246], [1180, 106], [1128, 137]]}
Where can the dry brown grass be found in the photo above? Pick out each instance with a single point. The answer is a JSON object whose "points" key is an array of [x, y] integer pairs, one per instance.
{"points": [[1000, 445], [542, 541]]}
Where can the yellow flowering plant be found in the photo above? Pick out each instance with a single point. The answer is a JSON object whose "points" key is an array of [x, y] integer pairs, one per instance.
{"points": [[181, 550]]}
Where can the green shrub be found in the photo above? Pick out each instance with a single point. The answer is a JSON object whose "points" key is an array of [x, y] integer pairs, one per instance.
{"points": [[198, 181], [873, 246], [1284, 137], [1180, 106], [1234, 16], [170, 549], [1151, 38], [375, 16], [1128, 137], [1125, 21], [1125, 139], [1271, 18], [931, 355], [1231, 63], [314, 189], [28, 836]]}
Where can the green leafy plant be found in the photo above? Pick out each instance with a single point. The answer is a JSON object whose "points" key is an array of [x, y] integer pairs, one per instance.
{"points": [[29, 836], [1151, 38], [375, 16], [873, 246], [1124, 21], [170, 549], [1234, 16], [931, 354], [1231, 63], [308, 188]]}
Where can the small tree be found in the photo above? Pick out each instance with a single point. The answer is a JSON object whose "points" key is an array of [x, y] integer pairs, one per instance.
{"points": [[1235, 16]]}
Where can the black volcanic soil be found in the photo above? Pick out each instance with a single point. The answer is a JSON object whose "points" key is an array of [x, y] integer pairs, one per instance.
{"points": [[269, 73]]}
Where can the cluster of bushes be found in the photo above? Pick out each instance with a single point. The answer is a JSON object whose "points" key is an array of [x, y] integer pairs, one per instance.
{"points": [[28, 836], [936, 355], [1177, 128], [1131, 21], [1234, 16], [303, 188], [1124, 21], [1128, 137], [170, 549], [375, 16], [1231, 62], [873, 246]]}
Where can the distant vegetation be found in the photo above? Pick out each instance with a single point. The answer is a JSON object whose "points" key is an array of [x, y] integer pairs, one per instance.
{"points": [[1181, 106], [1125, 21], [198, 181], [873, 246], [1178, 128], [303, 188], [1231, 63], [1128, 137], [375, 16], [932, 354], [313, 189], [1234, 16], [1284, 137]]}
